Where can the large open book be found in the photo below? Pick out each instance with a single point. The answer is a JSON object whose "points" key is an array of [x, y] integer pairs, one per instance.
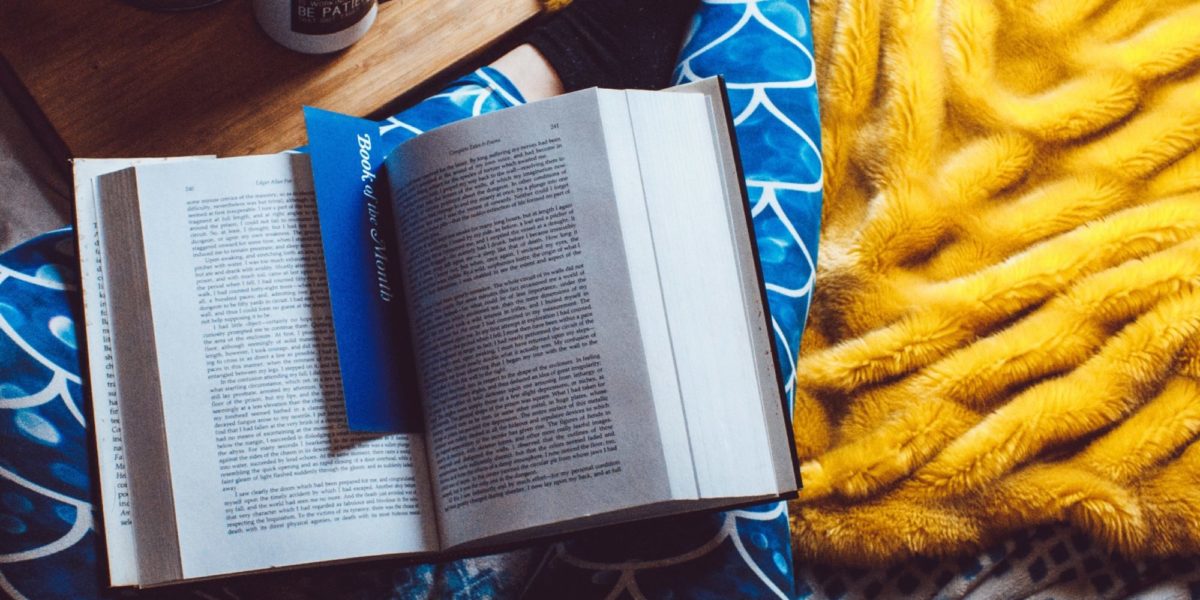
{"points": [[582, 336]]}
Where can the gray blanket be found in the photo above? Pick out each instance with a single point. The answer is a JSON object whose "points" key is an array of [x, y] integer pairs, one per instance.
{"points": [[35, 195]]}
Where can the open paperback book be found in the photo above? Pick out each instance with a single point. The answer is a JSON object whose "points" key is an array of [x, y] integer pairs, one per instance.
{"points": [[576, 335]]}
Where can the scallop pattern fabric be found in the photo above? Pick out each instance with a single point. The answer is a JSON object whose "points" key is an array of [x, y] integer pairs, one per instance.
{"points": [[47, 546]]}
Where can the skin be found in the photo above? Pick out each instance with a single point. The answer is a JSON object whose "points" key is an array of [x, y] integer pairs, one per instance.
{"points": [[530, 72]]}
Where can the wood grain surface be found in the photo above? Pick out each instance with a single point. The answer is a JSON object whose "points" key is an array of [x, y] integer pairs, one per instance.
{"points": [[116, 81]]}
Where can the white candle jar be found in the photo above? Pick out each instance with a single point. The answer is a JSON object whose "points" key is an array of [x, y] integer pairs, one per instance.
{"points": [[315, 26]]}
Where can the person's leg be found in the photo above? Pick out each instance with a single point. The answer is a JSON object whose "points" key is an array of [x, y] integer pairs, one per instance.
{"points": [[47, 548], [529, 71]]}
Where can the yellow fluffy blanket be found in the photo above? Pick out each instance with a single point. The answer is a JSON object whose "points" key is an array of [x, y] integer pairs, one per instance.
{"points": [[1006, 328]]}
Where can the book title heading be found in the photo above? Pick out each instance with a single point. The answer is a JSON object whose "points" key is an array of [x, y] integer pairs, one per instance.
{"points": [[379, 253]]}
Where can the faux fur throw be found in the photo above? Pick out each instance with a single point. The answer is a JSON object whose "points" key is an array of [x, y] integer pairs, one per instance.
{"points": [[1006, 327]]}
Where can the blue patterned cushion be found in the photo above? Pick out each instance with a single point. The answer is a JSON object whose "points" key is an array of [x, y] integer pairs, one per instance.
{"points": [[47, 549]]}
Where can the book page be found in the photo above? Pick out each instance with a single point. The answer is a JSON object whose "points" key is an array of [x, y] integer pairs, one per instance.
{"points": [[101, 373], [264, 471], [538, 400], [691, 215], [772, 391]]}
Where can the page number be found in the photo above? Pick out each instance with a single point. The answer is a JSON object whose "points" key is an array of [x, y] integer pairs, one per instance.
{"points": [[554, 126], [189, 188]]}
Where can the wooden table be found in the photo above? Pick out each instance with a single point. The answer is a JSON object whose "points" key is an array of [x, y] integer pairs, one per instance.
{"points": [[110, 80]]}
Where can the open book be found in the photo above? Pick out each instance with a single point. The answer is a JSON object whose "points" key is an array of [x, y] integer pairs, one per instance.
{"points": [[577, 291]]}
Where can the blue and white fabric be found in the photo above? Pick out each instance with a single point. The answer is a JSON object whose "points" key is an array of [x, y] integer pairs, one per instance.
{"points": [[48, 545]]}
